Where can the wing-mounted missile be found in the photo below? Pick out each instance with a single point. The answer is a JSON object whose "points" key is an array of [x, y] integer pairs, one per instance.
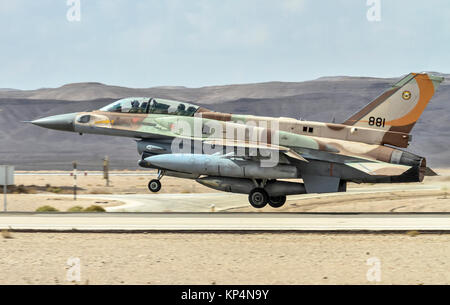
{"points": [[152, 147]]}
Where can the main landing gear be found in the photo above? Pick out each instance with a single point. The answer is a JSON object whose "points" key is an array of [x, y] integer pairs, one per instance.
{"points": [[259, 198], [155, 185], [277, 201]]}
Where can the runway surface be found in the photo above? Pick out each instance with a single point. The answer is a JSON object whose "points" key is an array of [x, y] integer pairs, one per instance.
{"points": [[122, 222], [82, 173], [202, 202]]}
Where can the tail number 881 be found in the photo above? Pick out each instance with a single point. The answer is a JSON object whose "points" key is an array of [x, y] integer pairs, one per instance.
{"points": [[379, 122]]}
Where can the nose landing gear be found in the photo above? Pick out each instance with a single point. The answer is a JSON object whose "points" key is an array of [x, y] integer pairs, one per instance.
{"points": [[155, 185]]}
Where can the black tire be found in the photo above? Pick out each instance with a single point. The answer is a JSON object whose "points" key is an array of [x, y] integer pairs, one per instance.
{"points": [[277, 201], [258, 198], [154, 186]]}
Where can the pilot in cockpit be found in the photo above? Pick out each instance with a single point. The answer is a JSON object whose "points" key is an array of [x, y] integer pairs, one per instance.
{"points": [[134, 107]]}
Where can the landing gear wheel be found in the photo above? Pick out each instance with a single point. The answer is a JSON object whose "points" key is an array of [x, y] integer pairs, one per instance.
{"points": [[154, 186], [258, 198], [277, 201]]}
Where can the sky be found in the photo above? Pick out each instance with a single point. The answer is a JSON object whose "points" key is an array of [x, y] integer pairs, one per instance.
{"points": [[197, 43]]}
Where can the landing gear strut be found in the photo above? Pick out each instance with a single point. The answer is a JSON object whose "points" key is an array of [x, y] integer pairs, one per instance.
{"points": [[155, 185]]}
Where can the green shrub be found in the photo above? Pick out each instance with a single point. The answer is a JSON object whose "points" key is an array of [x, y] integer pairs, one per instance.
{"points": [[46, 208], [55, 190], [75, 209], [94, 208]]}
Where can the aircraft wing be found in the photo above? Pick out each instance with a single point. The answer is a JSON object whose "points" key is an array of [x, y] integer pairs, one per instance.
{"points": [[260, 146]]}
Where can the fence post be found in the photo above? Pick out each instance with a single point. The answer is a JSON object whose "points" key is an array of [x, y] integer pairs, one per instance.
{"points": [[74, 180], [106, 170]]}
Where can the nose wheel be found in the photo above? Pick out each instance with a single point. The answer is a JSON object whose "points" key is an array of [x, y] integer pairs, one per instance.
{"points": [[155, 185]]}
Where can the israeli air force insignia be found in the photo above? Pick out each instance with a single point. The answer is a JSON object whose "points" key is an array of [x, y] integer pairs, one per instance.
{"points": [[406, 95]]}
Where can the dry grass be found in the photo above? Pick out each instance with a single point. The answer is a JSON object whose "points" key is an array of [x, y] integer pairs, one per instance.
{"points": [[99, 192], [413, 233], [22, 189], [29, 203], [6, 234]]}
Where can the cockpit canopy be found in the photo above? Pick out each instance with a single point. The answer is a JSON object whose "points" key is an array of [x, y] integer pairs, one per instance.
{"points": [[151, 105]]}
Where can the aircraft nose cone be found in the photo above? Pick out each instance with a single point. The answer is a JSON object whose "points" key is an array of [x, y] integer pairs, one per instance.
{"points": [[62, 122]]}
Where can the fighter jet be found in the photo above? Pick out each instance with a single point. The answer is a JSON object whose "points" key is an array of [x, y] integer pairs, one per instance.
{"points": [[257, 155]]}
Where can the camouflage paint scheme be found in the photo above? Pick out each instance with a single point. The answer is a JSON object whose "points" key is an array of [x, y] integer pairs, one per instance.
{"points": [[355, 150]]}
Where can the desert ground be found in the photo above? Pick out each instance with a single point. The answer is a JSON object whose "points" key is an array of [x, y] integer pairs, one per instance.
{"points": [[39, 189], [40, 258], [121, 182], [218, 258], [49, 186]]}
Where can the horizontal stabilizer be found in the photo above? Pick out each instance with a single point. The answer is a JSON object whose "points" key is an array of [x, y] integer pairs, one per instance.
{"points": [[379, 168]]}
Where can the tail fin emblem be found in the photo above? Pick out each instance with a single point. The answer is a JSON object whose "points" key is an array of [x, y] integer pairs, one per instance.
{"points": [[406, 95]]}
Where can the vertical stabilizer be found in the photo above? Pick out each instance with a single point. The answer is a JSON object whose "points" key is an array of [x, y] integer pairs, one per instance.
{"points": [[399, 108]]}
